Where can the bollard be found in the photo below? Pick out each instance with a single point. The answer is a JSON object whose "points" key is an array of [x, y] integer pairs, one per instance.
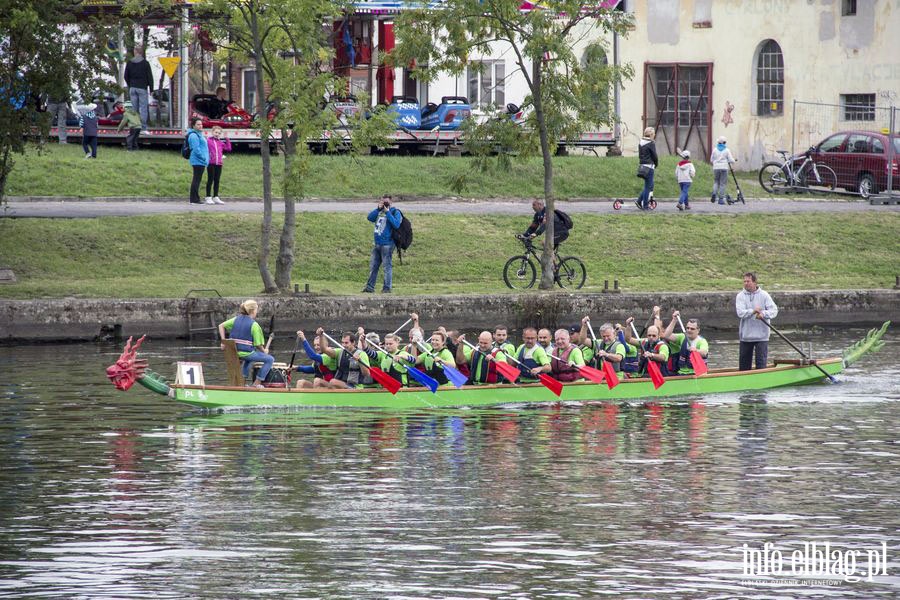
{"points": [[616, 286], [897, 283], [305, 288]]}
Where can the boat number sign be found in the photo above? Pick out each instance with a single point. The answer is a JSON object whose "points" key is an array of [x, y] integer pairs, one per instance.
{"points": [[189, 373]]}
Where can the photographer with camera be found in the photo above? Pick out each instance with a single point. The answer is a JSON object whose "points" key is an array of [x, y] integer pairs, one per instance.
{"points": [[386, 218]]}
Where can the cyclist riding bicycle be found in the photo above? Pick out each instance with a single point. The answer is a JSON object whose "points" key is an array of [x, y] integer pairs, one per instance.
{"points": [[562, 223]]}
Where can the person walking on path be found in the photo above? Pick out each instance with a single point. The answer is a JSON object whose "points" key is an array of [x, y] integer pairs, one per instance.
{"points": [[648, 158], [218, 146], [752, 305], [87, 120], [685, 173], [386, 218], [199, 158], [131, 120], [138, 78], [721, 160]]}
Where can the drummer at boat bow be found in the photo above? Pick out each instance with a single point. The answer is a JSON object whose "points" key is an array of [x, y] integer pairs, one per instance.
{"points": [[481, 361], [249, 340], [569, 355], [533, 359], [650, 348], [352, 363], [681, 344]]}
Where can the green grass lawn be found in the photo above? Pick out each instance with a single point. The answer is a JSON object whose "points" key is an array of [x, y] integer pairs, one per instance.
{"points": [[165, 256], [62, 171]]}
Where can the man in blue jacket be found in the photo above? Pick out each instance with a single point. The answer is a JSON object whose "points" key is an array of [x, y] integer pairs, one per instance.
{"points": [[386, 218]]}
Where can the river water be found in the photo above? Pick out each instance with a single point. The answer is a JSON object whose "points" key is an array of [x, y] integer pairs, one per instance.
{"points": [[128, 495]]}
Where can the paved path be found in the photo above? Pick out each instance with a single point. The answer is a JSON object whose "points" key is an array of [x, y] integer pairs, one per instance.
{"points": [[86, 208]]}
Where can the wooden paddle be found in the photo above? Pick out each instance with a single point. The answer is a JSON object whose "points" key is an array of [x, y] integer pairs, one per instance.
{"points": [[548, 382], [656, 375], [791, 344], [385, 380], [697, 361], [612, 380]]}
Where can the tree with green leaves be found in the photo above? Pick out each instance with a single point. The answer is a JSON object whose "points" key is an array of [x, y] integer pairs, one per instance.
{"points": [[566, 93], [292, 51]]}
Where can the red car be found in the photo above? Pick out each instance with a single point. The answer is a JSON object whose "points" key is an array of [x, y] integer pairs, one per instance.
{"points": [[222, 113], [859, 159]]}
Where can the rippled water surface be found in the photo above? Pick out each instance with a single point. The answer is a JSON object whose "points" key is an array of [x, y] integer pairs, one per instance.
{"points": [[127, 495]]}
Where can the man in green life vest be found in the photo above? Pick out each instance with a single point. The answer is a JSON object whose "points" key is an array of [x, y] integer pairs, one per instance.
{"points": [[650, 348], [606, 348], [440, 355], [501, 340], [681, 344], [352, 364], [533, 359], [481, 363]]}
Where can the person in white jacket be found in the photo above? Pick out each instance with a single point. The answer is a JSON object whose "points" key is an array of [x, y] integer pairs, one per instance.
{"points": [[752, 305], [685, 173], [721, 159]]}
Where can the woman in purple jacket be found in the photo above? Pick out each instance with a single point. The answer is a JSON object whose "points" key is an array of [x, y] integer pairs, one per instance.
{"points": [[218, 146]]}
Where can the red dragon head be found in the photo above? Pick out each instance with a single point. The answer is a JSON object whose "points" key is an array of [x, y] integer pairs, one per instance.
{"points": [[128, 368]]}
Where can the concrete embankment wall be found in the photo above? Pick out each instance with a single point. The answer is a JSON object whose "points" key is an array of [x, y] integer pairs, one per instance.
{"points": [[82, 319]]}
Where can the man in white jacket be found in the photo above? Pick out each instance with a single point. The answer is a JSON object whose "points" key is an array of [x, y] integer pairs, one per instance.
{"points": [[752, 305]]}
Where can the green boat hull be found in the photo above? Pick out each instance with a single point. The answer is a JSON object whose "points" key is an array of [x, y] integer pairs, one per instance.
{"points": [[715, 382]]}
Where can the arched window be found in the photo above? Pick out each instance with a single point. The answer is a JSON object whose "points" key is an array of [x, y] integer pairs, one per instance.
{"points": [[769, 80]]}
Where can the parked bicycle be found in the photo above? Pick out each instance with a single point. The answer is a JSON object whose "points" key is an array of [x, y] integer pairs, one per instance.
{"points": [[792, 174], [521, 271]]}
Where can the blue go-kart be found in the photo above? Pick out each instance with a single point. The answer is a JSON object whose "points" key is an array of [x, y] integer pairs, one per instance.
{"points": [[448, 115], [406, 112]]}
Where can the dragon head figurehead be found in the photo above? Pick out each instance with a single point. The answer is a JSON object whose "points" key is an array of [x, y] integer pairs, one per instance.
{"points": [[128, 367]]}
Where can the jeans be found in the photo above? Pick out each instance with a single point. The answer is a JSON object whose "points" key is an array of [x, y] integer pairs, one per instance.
{"points": [[140, 102], [131, 140], [89, 141], [720, 183], [60, 111], [745, 356], [644, 198], [257, 356], [195, 182], [213, 172], [381, 255], [685, 187]]}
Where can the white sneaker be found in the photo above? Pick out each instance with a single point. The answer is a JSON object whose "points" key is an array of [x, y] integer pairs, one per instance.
{"points": [[218, 200], [87, 154], [209, 200]]}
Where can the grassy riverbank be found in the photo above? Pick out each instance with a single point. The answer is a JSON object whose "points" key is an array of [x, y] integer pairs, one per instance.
{"points": [[165, 256], [63, 171]]}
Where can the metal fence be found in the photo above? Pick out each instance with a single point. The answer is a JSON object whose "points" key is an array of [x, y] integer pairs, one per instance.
{"points": [[857, 139]]}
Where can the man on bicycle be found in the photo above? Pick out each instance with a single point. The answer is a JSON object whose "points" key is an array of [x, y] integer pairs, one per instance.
{"points": [[561, 224]]}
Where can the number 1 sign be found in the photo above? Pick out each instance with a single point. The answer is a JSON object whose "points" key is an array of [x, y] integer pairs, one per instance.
{"points": [[189, 373]]}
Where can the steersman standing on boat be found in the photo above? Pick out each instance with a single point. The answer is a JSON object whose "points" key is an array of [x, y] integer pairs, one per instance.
{"points": [[754, 304]]}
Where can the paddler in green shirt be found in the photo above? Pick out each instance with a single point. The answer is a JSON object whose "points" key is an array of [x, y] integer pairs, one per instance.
{"points": [[650, 348], [681, 344], [351, 365], [607, 347], [533, 359], [501, 340], [481, 364], [440, 354], [569, 357], [396, 366]]}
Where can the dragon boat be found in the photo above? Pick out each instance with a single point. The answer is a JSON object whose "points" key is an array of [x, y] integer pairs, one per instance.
{"points": [[129, 369]]}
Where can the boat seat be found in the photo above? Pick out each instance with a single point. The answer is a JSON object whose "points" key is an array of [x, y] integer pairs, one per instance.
{"points": [[233, 365]]}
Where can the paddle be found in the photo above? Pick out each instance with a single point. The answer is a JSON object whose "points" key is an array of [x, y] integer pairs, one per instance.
{"points": [[791, 344], [656, 375], [385, 380], [271, 333], [548, 382], [423, 378], [505, 369], [612, 380], [293, 356], [697, 361], [402, 326], [453, 375], [585, 371]]}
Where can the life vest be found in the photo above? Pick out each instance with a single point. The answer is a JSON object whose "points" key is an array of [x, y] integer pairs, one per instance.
{"points": [[527, 362], [487, 373], [324, 371], [348, 369], [389, 366], [617, 366], [561, 369], [654, 348], [590, 356], [242, 333], [433, 369], [506, 347], [685, 355], [631, 362]]}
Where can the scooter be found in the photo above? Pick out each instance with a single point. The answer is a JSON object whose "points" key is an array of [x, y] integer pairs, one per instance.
{"points": [[740, 194], [651, 203]]}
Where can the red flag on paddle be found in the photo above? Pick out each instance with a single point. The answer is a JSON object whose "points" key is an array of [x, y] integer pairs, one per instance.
{"points": [[554, 385], [386, 381], [655, 375], [612, 380], [697, 362], [595, 375], [507, 370]]}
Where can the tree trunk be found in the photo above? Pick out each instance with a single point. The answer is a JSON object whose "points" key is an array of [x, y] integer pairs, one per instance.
{"points": [[262, 260], [284, 264], [546, 153], [6, 165]]}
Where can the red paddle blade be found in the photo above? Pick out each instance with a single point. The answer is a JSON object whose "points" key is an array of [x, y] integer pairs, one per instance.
{"points": [[595, 375], [700, 367], [507, 370], [655, 375], [612, 380], [551, 384], [386, 381]]}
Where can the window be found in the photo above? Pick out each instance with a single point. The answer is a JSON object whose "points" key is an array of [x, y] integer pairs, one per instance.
{"points": [[858, 107], [832, 144], [858, 144], [848, 8], [877, 146], [769, 80], [487, 82], [248, 95]]}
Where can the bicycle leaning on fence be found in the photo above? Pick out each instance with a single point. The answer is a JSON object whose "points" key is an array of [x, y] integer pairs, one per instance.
{"points": [[520, 272], [793, 175]]}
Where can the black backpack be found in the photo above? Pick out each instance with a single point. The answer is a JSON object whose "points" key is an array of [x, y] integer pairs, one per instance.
{"points": [[402, 236], [566, 219], [186, 146]]}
